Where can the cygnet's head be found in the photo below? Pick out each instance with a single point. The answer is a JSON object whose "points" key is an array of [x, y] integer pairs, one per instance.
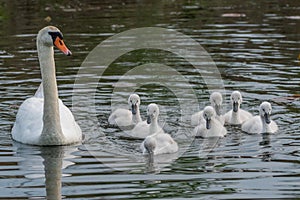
{"points": [[51, 36], [208, 114], [134, 103], [265, 111], [152, 112], [150, 144], [236, 100], [216, 101]]}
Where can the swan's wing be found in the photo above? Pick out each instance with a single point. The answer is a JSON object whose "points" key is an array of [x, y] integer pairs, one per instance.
{"points": [[253, 125], [227, 116], [245, 115], [165, 144], [120, 117], [274, 126], [29, 124], [197, 118], [70, 128], [141, 130], [200, 131]]}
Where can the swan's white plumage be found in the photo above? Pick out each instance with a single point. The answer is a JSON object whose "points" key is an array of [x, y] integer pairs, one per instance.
{"points": [[140, 130], [212, 126], [261, 123], [29, 122], [158, 142], [236, 115], [123, 117], [216, 101], [56, 125], [144, 128]]}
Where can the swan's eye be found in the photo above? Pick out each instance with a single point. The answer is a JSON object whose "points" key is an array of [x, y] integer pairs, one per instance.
{"points": [[56, 34]]}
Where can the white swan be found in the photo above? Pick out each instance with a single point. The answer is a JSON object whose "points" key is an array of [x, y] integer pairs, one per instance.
{"points": [[261, 123], [43, 119], [123, 117], [236, 115], [216, 102], [212, 127], [159, 142], [147, 127]]}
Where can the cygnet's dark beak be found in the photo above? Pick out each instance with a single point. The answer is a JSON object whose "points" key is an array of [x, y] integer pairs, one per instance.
{"points": [[133, 109], [208, 124], [148, 119], [235, 106], [267, 118]]}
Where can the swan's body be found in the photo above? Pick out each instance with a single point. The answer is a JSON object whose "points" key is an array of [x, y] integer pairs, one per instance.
{"points": [[141, 130], [261, 123], [216, 102], [158, 142], [43, 119], [147, 127], [236, 115], [122, 117], [212, 126]]}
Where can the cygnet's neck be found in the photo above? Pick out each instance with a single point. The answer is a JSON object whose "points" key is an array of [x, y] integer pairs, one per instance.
{"points": [[137, 117], [235, 117], [52, 132], [153, 125], [266, 128]]}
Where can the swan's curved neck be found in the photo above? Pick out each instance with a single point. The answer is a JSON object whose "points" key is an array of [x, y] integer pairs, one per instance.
{"points": [[235, 118], [52, 132], [137, 117], [153, 126], [265, 127]]}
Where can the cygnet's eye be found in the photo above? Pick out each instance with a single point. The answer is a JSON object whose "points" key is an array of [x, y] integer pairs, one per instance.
{"points": [[263, 110]]}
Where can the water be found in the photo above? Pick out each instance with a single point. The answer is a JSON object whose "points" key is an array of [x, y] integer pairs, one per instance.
{"points": [[255, 46]]}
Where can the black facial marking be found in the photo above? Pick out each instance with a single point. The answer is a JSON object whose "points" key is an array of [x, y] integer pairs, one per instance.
{"points": [[56, 34]]}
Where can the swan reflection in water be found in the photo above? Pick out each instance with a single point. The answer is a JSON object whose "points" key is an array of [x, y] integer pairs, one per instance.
{"points": [[45, 163]]}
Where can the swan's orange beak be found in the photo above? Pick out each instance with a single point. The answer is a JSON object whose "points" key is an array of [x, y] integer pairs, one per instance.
{"points": [[59, 43]]}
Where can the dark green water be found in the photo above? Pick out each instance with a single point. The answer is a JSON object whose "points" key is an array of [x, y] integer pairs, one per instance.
{"points": [[254, 44]]}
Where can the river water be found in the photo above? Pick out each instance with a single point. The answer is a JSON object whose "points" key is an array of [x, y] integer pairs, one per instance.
{"points": [[254, 46]]}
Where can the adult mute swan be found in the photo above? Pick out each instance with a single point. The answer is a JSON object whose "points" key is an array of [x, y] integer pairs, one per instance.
{"points": [[216, 102], [261, 123], [236, 115], [43, 119], [123, 117], [212, 127], [158, 142]]}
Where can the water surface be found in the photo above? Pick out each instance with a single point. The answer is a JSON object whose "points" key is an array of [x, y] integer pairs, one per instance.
{"points": [[255, 46]]}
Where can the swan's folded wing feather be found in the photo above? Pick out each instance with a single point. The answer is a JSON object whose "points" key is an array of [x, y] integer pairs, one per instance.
{"points": [[28, 125]]}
